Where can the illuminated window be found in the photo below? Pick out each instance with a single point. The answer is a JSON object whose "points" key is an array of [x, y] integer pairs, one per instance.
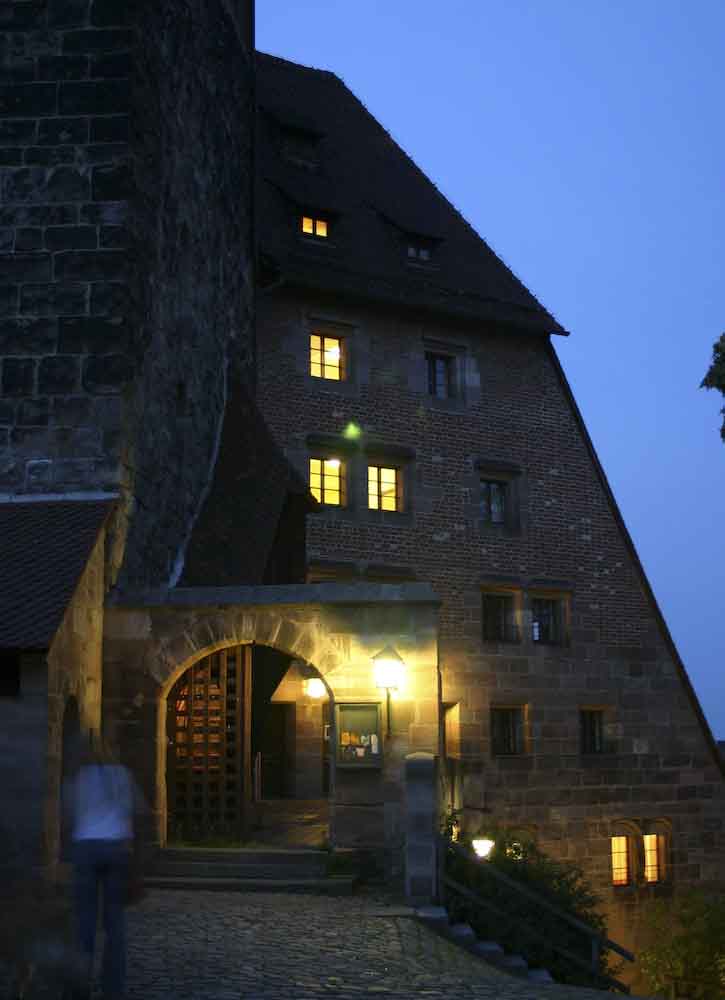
{"points": [[493, 501], [327, 481], [591, 723], [385, 490], [655, 847], [620, 861], [507, 731], [311, 226], [327, 357], [441, 382]]}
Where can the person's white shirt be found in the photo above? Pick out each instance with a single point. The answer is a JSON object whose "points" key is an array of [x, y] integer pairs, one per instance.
{"points": [[103, 798]]}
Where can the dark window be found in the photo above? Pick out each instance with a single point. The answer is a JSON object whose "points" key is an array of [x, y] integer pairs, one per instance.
{"points": [[420, 254], [547, 620], [9, 675], [499, 618], [493, 501], [591, 721], [440, 376], [507, 731]]}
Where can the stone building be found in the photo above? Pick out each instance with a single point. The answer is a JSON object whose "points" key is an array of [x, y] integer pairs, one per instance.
{"points": [[413, 379], [274, 559]]}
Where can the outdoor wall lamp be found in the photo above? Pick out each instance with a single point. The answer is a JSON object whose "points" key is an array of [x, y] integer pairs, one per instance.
{"points": [[483, 847], [388, 667], [315, 688]]}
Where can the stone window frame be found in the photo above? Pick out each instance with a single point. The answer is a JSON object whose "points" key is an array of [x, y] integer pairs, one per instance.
{"points": [[349, 333], [516, 594], [634, 831], [502, 471], [399, 457], [525, 729], [457, 354], [662, 829], [563, 597]]}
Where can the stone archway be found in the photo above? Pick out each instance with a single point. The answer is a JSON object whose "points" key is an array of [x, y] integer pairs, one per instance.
{"points": [[281, 632]]}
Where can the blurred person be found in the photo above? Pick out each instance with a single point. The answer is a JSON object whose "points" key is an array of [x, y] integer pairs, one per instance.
{"points": [[103, 801]]}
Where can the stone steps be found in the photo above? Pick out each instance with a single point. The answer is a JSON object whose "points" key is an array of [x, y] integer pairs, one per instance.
{"points": [[247, 870], [489, 951]]}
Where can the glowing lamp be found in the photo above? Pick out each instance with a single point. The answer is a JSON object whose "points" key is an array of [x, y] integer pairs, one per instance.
{"points": [[483, 847], [388, 669], [315, 688], [352, 432]]}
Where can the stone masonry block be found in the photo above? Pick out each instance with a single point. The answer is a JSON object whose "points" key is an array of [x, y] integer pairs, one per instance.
{"points": [[38, 215], [71, 238], [94, 97], [109, 298], [66, 67], [63, 131], [112, 64], [97, 40], [58, 299], [68, 13], [59, 375], [110, 12], [25, 336], [15, 132], [92, 335], [41, 184], [24, 100], [106, 373], [112, 129], [25, 267], [8, 299], [112, 183], [28, 238], [33, 412], [88, 265], [18, 376]]}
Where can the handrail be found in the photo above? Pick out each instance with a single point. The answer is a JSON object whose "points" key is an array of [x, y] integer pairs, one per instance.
{"points": [[532, 932], [543, 902]]}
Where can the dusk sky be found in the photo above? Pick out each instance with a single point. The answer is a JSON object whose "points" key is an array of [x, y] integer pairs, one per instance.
{"points": [[584, 140]]}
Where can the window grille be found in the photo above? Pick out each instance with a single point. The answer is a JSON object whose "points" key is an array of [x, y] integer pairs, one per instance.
{"points": [[499, 618], [440, 376], [620, 860], [327, 481], [547, 620], [493, 501], [591, 730], [327, 357], [507, 731], [384, 488], [312, 226]]}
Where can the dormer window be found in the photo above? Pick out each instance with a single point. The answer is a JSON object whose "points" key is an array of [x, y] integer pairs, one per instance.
{"points": [[314, 226], [418, 253]]}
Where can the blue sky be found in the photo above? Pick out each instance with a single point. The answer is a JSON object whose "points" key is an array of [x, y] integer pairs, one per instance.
{"points": [[583, 140]]}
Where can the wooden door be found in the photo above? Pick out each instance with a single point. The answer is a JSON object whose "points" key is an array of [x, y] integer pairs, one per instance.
{"points": [[208, 763]]}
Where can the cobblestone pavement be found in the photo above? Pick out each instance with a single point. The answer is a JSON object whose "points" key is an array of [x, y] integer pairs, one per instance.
{"points": [[260, 946]]}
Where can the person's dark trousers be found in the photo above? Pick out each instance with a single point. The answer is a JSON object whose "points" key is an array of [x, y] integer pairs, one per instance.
{"points": [[103, 865]]}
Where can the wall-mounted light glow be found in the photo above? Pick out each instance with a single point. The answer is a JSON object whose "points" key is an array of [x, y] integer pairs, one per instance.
{"points": [[315, 688], [483, 847], [389, 669], [352, 432], [332, 463]]}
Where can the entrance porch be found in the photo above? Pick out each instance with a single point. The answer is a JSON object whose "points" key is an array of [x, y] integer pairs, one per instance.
{"points": [[314, 760]]}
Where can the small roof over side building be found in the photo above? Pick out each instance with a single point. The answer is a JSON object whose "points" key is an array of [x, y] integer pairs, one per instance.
{"points": [[391, 236], [44, 548]]}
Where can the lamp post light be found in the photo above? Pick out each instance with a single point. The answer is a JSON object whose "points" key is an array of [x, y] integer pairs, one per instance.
{"points": [[483, 847], [388, 666]]}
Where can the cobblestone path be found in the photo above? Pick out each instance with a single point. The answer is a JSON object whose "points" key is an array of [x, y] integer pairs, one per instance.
{"points": [[263, 946]]}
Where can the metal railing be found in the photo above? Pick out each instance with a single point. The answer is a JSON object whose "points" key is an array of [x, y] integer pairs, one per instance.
{"points": [[508, 889]]}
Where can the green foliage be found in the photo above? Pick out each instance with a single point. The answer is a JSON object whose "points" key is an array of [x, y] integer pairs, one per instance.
{"points": [[687, 955], [517, 922], [715, 378]]}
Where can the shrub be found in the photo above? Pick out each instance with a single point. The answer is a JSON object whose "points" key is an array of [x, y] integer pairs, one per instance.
{"points": [[686, 957]]}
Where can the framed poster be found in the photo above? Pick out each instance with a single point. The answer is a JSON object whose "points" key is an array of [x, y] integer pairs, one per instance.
{"points": [[359, 742]]}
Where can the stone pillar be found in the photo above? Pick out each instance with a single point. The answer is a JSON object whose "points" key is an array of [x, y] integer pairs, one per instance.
{"points": [[421, 817]]}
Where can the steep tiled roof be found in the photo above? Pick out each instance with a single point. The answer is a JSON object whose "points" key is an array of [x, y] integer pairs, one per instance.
{"points": [[376, 197], [44, 547]]}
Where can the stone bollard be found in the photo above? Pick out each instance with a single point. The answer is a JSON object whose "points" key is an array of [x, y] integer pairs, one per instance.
{"points": [[421, 816]]}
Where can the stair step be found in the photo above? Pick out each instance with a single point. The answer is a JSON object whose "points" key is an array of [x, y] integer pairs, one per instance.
{"points": [[490, 950], [539, 976], [332, 886], [203, 869], [242, 855], [515, 964]]}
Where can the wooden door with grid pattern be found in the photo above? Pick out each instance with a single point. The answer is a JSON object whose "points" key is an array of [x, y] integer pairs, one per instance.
{"points": [[209, 748]]}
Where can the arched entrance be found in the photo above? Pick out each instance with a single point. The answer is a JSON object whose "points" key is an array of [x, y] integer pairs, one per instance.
{"points": [[247, 738]]}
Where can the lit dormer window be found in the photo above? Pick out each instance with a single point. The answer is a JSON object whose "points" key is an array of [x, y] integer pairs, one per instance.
{"points": [[311, 226]]}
